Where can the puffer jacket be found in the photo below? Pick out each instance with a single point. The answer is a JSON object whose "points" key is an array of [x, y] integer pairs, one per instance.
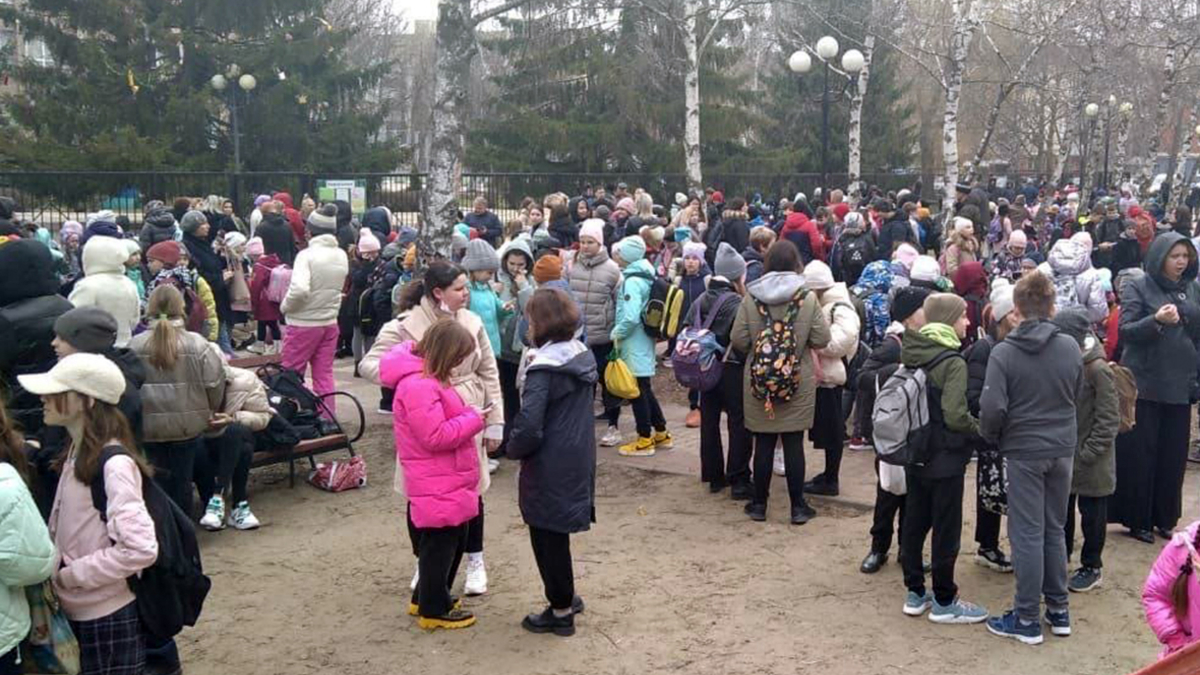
{"points": [[435, 448], [844, 329], [105, 285], [26, 551], [486, 304], [595, 281], [1174, 632], [634, 345], [554, 436], [379, 222], [262, 308], [960, 250], [1097, 410], [1069, 265], [178, 404], [158, 226], [1162, 357], [315, 293], [246, 399], [776, 290]]}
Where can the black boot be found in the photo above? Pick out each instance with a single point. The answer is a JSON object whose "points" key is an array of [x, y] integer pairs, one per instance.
{"points": [[802, 514], [548, 622], [741, 492], [820, 485], [756, 511], [873, 562]]}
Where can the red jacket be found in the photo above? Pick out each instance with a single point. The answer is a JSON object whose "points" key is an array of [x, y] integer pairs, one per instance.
{"points": [[261, 308], [798, 224]]}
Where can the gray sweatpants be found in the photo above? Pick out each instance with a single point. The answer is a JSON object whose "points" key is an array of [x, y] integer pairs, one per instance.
{"points": [[1038, 490]]}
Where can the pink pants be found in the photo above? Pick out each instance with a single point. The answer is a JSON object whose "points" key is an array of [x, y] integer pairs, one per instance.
{"points": [[312, 346]]}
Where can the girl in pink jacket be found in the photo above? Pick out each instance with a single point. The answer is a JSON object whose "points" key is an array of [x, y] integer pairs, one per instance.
{"points": [[1172, 592], [435, 447]]}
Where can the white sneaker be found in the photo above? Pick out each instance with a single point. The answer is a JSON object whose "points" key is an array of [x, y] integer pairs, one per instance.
{"points": [[241, 518], [493, 465], [257, 348], [214, 514], [476, 583], [778, 466], [412, 585], [610, 438]]}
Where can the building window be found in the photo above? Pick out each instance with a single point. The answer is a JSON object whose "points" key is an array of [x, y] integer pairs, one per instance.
{"points": [[37, 52]]}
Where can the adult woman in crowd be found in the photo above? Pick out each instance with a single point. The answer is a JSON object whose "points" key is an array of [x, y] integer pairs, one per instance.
{"points": [[185, 382], [443, 293], [1160, 324], [211, 267]]}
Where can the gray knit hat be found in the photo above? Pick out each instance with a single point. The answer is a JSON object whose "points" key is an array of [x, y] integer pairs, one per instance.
{"points": [[192, 220], [729, 263], [322, 221], [480, 256], [87, 329]]}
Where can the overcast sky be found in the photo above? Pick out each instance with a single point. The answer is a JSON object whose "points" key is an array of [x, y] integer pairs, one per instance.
{"points": [[415, 10]]}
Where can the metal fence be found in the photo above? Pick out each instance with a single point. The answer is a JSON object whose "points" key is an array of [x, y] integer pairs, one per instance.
{"points": [[51, 197]]}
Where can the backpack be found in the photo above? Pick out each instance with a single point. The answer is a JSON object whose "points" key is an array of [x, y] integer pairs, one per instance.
{"points": [[856, 253], [660, 318], [995, 231], [774, 364], [903, 424], [170, 593], [697, 357], [1066, 296], [1127, 393], [277, 286], [293, 402]]}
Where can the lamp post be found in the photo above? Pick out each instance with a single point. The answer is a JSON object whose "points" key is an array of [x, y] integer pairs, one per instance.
{"points": [[1090, 111], [800, 63], [246, 83]]}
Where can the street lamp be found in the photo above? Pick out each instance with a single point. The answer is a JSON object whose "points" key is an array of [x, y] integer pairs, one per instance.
{"points": [[220, 83], [1090, 111], [800, 63]]}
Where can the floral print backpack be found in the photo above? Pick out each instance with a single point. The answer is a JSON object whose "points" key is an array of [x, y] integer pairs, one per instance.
{"points": [[774, 364]]}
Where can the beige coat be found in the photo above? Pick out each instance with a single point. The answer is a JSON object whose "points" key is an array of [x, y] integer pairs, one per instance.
{"points": [[177, 404], [246, 399], [844, 326]]}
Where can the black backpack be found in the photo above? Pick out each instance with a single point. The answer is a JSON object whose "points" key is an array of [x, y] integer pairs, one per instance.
{"points": [[171, 592], [293, 402], [856, 253]]}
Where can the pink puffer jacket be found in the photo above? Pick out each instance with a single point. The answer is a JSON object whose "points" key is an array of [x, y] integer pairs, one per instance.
{"points": [[1156, 595], [435, 443]]}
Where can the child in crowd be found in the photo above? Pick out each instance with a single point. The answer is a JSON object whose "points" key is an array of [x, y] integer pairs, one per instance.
{"points": [[761, 239], [554, 437], [362, 271], [637, 348], [435, 446], [692, 282], [516, 286], [133, 268], [265, 311], [1171, 596]]}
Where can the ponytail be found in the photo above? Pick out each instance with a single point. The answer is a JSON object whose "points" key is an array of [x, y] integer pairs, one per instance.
{"points": [[411, 294], [1179, 590], [164, 306]]}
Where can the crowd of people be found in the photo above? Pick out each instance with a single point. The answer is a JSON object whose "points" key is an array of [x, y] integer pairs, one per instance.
{"points": [[1056, 342]]}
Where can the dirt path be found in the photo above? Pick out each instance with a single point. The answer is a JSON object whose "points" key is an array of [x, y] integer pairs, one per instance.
{"points": [[676, 580]]}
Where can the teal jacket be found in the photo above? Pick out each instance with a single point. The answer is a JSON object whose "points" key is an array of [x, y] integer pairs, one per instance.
{"points": [[26, 555], [135, 275], [487, 305], [635, 347]]}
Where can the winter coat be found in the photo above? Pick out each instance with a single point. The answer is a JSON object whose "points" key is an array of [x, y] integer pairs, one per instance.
{"points": [[178, 404], [1099, 416], [851, 237], [844, 329], [105, 285], [246, 399], [134, 371], [1107, 232], [1162, 357], [874, 286], [1075, 282], [1172, 631], [1028, 404], [960, 250], [754, 264], [554, 436], [633, 344], [260, 307], [694, 285], [434, 433], [487, 306], [802, 232], [157, 227], [722, 324], [1125, 254], [28, 554], [360, 275], [211, 267], [971, 283], [893, 233], [954, 426], [595, 281], [277, 238], [565, 231], [736, 234], [512, 343], [776, 290], [29, 306], [377, 220], [488, 225], [315, 294]]}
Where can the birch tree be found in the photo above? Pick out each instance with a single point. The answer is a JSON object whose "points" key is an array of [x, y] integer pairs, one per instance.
{"points": [[854, 142], [962, 32]]}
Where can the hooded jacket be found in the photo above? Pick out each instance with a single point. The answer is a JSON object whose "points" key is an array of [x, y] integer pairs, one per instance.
{"points": [[211, 267], [1028, 404], [246, 399], [511, 345], [178, 403], [262, 308], [634, 345], [434, 432], [105, 285], [955, 426], [554, 436], [754, 264], [776, 291], [960, 250], [857, 237], [158, 226], [1162, 357], [802, 232], [844, 329], [594, 281], [315, 294], [28, 555], [894, 232], [1076, 283], [277, 238], [1172, 631], [486, 304], [1099, 417], [378, 221]]}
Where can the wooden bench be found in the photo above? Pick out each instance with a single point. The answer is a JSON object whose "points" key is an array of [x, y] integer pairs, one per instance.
{"points": [[255, 362]]}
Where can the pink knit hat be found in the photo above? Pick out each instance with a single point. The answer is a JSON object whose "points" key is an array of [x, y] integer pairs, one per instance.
{"points": [[594, 228], [367, 241], [906, 255], [254, 247], [627, 206]]}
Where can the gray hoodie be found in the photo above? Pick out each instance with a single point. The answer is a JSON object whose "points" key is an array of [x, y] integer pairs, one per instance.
{"points": [[1027, 407]]}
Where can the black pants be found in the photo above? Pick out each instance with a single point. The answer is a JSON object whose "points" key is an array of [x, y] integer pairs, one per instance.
{"points": [[889, 508], [646, 411], [793, 460], [829, 430], [552, 550], [173, 464], [441, 552], [1093, 512], [726, 398], [932, 503], [9, 662], [264, 326], [864, 403], [510, 395], [1151, 459], [225, 463], [475, 531], [612, 404], [987, 523], [386, 396]]}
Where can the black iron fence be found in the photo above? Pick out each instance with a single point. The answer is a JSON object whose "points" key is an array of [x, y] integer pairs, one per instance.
{"points": [[51, 197]]}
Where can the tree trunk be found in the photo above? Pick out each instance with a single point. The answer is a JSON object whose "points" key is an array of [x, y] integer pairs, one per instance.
{"points": [[1170, 70], [960, 43], [1181, 181], [1122, 142], [691, 97], [854, 143], [455, 47], [989, 129]]}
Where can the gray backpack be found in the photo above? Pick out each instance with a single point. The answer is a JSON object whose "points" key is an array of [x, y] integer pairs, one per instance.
{"points": [[901, 416]]}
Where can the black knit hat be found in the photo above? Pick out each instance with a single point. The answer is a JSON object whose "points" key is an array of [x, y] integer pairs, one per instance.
{"points": [[907, 301]]}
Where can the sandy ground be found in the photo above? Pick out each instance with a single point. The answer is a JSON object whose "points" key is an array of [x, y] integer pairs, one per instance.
{"points": [[675, 579]]}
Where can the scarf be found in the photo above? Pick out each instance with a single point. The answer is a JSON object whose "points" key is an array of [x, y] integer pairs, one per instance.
{"points": [[942, 334]]}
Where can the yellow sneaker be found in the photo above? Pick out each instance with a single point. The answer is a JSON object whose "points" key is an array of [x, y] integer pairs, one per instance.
{"points": [[642, 447], [663, 440], [455, 618], [414, 609]]}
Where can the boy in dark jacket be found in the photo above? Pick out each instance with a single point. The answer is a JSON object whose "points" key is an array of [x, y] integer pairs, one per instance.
{"points": [[1036, 433], [935, 489]]}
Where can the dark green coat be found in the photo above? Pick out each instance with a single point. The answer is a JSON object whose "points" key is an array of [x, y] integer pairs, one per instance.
{"points": [[1098, 413]]}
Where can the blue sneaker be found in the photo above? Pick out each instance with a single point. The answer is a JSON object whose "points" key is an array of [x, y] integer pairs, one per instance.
{"points": [[1011, 627], [915, 605], [1059, 622], [959, 611]]}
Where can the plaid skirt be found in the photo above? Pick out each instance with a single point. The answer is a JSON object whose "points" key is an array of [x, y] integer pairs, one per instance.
{"points": [[112, 645]]}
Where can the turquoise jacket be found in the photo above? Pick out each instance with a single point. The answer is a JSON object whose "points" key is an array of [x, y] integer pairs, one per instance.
{"points": [[487, 305], [26, 555], [635, 347], [135, 275]]}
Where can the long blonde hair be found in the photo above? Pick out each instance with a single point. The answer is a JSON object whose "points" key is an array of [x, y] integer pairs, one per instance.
{"points": [[164, 307]]}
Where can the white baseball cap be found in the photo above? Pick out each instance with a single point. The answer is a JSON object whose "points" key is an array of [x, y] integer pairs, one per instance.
{"points": [[88, 374]]}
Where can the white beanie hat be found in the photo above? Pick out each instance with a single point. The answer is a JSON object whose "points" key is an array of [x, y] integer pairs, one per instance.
{"points": [[1001, 298], [818, 276], [963, 225], [924, 268]]}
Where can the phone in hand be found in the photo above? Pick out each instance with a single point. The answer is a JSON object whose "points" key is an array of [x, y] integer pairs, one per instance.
{"points": [[487, 408]]}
